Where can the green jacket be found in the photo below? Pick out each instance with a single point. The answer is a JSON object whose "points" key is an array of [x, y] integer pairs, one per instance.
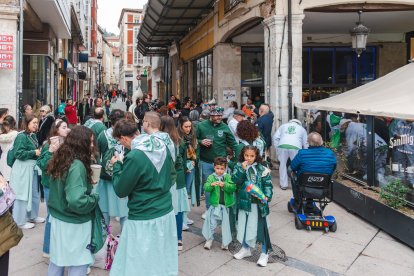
{"points": [[233, 162], [97, 129], [42, 162], [264, 182], [222, 138], [70, 198], [25, 147], [229, 189], [103, 147], [147, 189], [181, 165]]}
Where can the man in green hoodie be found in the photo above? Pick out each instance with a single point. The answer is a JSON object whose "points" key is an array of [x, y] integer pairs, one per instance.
{"points": [[213, 137]]}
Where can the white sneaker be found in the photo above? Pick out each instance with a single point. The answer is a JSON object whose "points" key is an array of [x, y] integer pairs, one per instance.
{"points": [[45, 255], [27, 225], [263, 260], [224, 247], [208, 244], [203, 216], [180, 246], [185, 227], [88, 271], [243, 253], [190, 221], [38, 220]]}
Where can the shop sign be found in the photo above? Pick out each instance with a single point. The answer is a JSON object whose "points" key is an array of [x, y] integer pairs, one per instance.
{"points": [[6, 38], [6, 47], [4, 56], [229, 95], [6, 65]]}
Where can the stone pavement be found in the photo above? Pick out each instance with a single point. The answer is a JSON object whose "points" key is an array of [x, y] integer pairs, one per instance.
{"points": [[356, 248]]}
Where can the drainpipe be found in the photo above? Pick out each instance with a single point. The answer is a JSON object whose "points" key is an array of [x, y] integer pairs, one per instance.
{"points": [[268, 64], [290, 93], [19, 69]]}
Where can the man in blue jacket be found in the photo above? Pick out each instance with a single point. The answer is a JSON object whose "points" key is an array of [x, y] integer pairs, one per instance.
{"points": [[315, 159], [264, 124]]}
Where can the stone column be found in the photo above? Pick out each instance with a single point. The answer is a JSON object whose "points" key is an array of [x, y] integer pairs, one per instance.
{"points": [[276, 73], [226, 76], [8, 77]]}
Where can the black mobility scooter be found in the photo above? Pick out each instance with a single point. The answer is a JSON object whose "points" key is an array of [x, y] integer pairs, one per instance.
{"points": [[314, 194]]}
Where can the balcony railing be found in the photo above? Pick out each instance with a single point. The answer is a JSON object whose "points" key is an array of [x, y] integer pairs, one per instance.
{"points": [[230, 4]]}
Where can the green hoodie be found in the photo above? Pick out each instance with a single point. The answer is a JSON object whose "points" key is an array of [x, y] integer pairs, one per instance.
{"points": [[228, 189], [42, 162], [222, 138], [71, 199]]}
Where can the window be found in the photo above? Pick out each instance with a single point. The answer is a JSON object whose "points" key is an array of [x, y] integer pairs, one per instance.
{"points": [[203, 77], [230, 4], [327, 71]]}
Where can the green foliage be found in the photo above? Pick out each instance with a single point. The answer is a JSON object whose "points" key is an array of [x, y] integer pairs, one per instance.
{"points": [[394, 194]]}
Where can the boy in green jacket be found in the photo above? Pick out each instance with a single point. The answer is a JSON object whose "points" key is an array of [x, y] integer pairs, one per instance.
{"points": [[221, 189]]}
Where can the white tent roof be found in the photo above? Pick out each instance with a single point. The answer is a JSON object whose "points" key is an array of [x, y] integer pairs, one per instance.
{"points": [[390, 96]]}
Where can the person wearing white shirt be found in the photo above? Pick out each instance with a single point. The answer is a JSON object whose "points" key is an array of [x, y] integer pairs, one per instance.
{"points": [[230, 110], [238, 116], [288, 140]]}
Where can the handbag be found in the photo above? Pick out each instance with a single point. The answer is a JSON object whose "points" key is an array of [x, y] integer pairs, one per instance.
{"points": [[7, 199], [10, 233], [99, 231]]}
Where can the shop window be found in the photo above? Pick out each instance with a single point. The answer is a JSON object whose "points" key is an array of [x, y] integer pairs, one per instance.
{"points": [[322, 70], [306, 64], [345, 66], [35, 70], [203, 77], [400, 156]]}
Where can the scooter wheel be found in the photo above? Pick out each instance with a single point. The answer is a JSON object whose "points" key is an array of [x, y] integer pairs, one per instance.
{"points": [[298, 223], [289, 208], [326, 229], [333, 227]]}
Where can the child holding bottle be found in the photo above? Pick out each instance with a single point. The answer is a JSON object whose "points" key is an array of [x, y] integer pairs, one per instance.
{"points": [[252, 224]]}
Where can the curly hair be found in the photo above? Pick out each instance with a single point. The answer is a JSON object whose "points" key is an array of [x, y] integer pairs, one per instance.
{"points": [[77, 145], [258, 159], [247, 131]]}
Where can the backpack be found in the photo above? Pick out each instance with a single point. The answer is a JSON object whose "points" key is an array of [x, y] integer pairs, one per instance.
{"points": [[11, 158], [61, 109]]}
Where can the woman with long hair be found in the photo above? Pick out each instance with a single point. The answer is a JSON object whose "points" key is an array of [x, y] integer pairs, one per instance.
{"points": [[7, 136], [71, 203], [58, 132], [24, 175], [187, 134], [46, 120], [248, 135], [168, 126]]}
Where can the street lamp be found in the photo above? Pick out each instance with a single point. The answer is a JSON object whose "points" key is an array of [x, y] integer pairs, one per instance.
{"points": [[359, 35], [99, 57]]}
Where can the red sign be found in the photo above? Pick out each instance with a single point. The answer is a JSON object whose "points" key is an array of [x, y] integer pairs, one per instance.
{"points": [[6, 47], [6, 65], [6, 38], [138, 77], [4, 56]]}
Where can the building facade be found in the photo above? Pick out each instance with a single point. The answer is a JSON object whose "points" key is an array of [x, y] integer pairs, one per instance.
{"points": [[273, 52], [131, 60]]}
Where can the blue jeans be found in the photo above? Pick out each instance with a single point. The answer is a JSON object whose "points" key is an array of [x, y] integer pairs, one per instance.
{"points": [[55, 270], [46, 237], [179, 221], [207, 169], [189, 178], [20, 214]]}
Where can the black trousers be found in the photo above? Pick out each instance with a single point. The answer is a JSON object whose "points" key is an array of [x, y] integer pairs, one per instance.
{"points": [[4, 264]]}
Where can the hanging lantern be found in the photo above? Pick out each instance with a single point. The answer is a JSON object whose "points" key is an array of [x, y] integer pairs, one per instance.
{"points": [[359, 36]]}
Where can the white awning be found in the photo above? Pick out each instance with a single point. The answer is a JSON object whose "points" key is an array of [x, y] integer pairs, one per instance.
{"points": [[389, 96]]}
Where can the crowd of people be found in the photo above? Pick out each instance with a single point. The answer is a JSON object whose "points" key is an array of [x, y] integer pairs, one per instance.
{"points": [[145, 166]]}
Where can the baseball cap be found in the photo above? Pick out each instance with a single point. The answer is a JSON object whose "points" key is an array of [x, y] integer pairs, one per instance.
{"points": [[239, 112], [216, 111]]}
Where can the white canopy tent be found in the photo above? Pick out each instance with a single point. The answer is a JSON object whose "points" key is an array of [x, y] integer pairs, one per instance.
{"points": [[389, 96]]}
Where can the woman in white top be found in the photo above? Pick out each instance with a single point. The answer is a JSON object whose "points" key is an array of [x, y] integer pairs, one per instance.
{"points": [[229, 111], [7, 136]]}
